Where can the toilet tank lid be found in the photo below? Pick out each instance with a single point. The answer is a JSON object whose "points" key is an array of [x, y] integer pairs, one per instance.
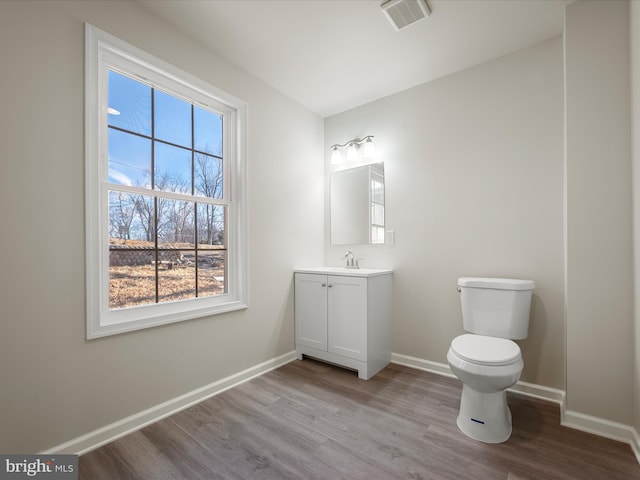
{"points": [[497, 283]]}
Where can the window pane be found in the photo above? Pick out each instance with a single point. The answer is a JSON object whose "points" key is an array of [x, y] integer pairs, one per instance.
{"points": [[176, 282], [212, 254], [377, 191], [172, 119], [129, 104], [172, 168], [131, 285], [122, 211], [129, 159], [131, 250], [208, 179], [211, 272], [211, 223], [131, 220], [377, 235], [176, 234], [377, 214], [176, 228], [207, 131]]}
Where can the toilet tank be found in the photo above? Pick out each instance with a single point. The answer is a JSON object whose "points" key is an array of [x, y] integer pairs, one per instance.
{"points": [[496, 307]]}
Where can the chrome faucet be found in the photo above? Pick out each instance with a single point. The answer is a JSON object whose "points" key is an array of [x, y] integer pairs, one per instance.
{"points": [[352, 262]]}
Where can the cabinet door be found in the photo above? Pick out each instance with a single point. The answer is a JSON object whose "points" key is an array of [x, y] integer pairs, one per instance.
{"points": [[311, 310], [347, 316]]}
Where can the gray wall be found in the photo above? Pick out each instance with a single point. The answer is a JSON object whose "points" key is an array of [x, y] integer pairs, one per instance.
{"points": [[474, 165], [473, 171], [479, 183], [635, 92], [600, 354], [55, 384]]}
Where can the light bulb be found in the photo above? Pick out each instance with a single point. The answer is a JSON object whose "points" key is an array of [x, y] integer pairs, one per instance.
{"points": [[336, 158], [352, 153], [369, 149]]}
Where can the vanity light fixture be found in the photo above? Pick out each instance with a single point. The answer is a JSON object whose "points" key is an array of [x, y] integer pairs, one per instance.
{"points": [[352, 149]]}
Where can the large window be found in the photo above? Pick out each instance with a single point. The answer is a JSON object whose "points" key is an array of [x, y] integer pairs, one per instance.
{"points": [[164, 192]]}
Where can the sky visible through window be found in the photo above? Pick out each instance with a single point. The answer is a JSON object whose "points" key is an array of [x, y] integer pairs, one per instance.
{"points": [[130, 142], [163, 247]]}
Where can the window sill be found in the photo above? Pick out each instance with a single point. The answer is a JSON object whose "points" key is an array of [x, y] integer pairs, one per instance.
{"points": [[115, 325]]}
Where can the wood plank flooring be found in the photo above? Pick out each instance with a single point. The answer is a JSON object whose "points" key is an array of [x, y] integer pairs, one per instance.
{"points": [[309, 420]]}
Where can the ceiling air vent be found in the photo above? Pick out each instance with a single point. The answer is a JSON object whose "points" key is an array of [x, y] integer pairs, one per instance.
{"points": [[405, 12]]}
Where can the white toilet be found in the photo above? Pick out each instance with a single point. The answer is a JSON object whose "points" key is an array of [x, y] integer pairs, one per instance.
{"points": [[487, 362]]}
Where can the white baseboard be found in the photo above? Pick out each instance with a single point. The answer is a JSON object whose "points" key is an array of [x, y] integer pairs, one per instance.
{"points": [[96, 438], [539, 391], [529, 389], [635, 444], [421, 364], [601, 427], [92, 440], [579, 421]]}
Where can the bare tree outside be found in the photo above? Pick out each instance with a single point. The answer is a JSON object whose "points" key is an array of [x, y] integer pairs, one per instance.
{"points": [[122, 210], [208, 180], [163, 248]]}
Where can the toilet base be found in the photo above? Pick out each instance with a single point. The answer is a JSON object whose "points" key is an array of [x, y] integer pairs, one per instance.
{"points": [[484, 416]]}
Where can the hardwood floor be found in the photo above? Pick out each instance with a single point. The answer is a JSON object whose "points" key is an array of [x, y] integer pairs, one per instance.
{"points": [[309, 420]]}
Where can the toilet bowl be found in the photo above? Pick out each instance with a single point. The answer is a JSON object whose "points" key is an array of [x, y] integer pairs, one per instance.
{"points": [[486, 366], [486, 360]]}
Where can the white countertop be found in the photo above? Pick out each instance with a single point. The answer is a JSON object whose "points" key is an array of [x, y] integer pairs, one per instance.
{"points": [[350, 272]]}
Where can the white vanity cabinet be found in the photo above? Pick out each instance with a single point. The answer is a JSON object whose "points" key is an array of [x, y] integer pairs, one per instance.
{"points": [[343, 316]]}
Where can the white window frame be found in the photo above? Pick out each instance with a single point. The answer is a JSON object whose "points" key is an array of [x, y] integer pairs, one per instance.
{"points": [[104, 51]]}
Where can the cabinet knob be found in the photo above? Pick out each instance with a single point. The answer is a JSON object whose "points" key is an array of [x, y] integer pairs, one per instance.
{"points": [[323, 284], [330, 285]]}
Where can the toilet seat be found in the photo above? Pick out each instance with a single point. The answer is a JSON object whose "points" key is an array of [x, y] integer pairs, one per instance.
{"points": [[483, 350]]}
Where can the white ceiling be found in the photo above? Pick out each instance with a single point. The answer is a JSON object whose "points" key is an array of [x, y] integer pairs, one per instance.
{"points": [[333, 55]]}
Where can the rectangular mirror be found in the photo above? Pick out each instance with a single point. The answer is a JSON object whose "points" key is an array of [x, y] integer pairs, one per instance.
{"points": [[357, 205]]}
